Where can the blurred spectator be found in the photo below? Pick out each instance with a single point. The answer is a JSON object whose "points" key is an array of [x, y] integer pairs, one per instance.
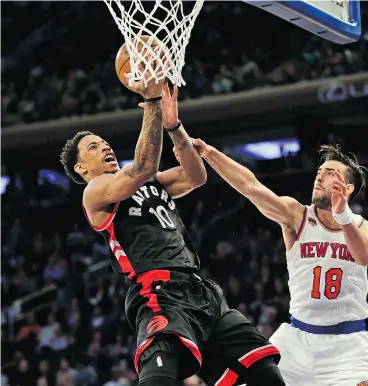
{"points": [[30, 328], [45, 375], [66, 375]]}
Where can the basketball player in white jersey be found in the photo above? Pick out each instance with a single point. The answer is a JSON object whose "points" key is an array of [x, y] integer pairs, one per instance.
{"points": [[326, 343]]}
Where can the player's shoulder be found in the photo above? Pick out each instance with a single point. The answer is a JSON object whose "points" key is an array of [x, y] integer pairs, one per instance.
{"points": [[294, 205], [296, 212], [95, 187], [98, 182]]}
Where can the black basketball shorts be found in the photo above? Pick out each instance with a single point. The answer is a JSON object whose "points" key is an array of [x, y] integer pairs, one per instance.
{"points": [[220, 343]]}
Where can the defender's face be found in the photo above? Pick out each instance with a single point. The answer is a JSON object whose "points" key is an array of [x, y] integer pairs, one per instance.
{"points": [[95, 157], [325, 179]]}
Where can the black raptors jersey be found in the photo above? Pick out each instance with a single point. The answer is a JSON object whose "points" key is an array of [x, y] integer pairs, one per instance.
{"points": [[145, 232]]}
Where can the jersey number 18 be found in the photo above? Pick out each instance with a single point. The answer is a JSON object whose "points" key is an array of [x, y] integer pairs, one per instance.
{"points": [[333, 278]]}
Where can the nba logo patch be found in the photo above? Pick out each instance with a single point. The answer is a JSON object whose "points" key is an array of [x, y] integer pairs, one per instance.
{"points": [[312, 221], [159, 361]]}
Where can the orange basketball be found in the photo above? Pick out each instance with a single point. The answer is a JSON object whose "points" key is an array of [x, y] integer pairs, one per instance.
{"points": [[122, 61]]}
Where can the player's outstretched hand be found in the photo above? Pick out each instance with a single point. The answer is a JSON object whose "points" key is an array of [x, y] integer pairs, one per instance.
{"points": [[339, 196], [202, 147], [153, 88], [170, 106]]}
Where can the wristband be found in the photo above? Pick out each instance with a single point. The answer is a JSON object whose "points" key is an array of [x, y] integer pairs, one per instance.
{"points": [[176, 127], [345, 217], [152, 99]]}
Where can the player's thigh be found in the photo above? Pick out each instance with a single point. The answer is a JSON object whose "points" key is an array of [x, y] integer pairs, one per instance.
{"points": [[165, 360], [297, 357], [160, 359], [235, 345], [169, 326], [173, 309], [355, 381], [343, 360]]}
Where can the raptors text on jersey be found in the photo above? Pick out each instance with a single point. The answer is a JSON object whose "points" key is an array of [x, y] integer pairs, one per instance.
{"points": [[145, 232]]}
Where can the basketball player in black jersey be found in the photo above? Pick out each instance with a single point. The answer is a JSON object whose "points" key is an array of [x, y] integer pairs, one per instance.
{"points": [[183, 322]]}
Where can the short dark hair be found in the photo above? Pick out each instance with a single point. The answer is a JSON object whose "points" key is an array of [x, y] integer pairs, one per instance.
{"points": [[356, 174], [69, 156]]}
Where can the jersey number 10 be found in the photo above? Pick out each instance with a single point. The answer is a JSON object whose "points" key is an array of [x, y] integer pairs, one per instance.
{"points": [[163, 217], [333, 278]]}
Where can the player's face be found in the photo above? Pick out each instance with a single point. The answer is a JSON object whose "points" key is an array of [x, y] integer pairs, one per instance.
{"points": [[325, 179], [95, 157]]}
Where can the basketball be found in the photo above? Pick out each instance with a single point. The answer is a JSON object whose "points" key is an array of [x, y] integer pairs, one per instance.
{"points": [[122, 61]]}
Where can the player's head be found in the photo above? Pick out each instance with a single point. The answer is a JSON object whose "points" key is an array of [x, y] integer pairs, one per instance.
{"points": [[86, 156], [332, 159]]}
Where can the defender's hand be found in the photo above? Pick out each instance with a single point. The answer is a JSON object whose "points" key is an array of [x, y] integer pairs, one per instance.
{"points": [[339, 196], [170, 107], [202, 147]]}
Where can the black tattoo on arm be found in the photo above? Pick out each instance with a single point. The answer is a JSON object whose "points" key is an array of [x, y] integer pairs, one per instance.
{"points": [[149, 146], [181, 140]]}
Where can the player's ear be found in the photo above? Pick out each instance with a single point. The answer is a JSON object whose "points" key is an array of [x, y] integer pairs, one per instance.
{"points": [[80, 169], [350, 189]]}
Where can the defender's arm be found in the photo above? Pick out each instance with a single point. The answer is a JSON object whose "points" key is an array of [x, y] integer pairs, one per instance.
{"points": [[283, 210]]}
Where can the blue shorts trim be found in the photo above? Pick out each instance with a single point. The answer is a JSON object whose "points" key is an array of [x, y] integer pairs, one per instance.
{"points": [[336, 329]]}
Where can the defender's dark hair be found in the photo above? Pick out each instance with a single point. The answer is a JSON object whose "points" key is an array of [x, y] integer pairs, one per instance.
{"points": [[69, 156], [356, 174]]}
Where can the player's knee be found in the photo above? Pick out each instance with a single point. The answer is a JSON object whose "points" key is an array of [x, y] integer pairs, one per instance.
{"points": [[266, 373], [159, 363], [158, 381], [273, 377]]}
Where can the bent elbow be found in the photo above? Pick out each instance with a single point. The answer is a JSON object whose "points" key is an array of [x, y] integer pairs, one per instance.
{"points": [[199, 180], [152, 171], [202, 180]]}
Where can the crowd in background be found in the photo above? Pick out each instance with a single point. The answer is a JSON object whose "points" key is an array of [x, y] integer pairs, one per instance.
{"points": [[79, 336], [58, 64]]}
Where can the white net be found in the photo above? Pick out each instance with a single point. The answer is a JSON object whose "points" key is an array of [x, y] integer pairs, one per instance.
{"points": [[168, 25]]}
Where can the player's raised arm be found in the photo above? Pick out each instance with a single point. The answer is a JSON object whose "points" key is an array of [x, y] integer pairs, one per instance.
{"points": [[112, 188], [357, 241], [356, 237], [192, 173], [284, 210]]}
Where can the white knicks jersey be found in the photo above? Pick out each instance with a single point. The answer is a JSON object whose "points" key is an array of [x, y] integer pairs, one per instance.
{"points": [[326, 285]]}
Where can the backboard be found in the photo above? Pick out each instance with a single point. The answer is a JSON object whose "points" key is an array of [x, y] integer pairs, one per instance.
{"points": [[335, 20]]}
